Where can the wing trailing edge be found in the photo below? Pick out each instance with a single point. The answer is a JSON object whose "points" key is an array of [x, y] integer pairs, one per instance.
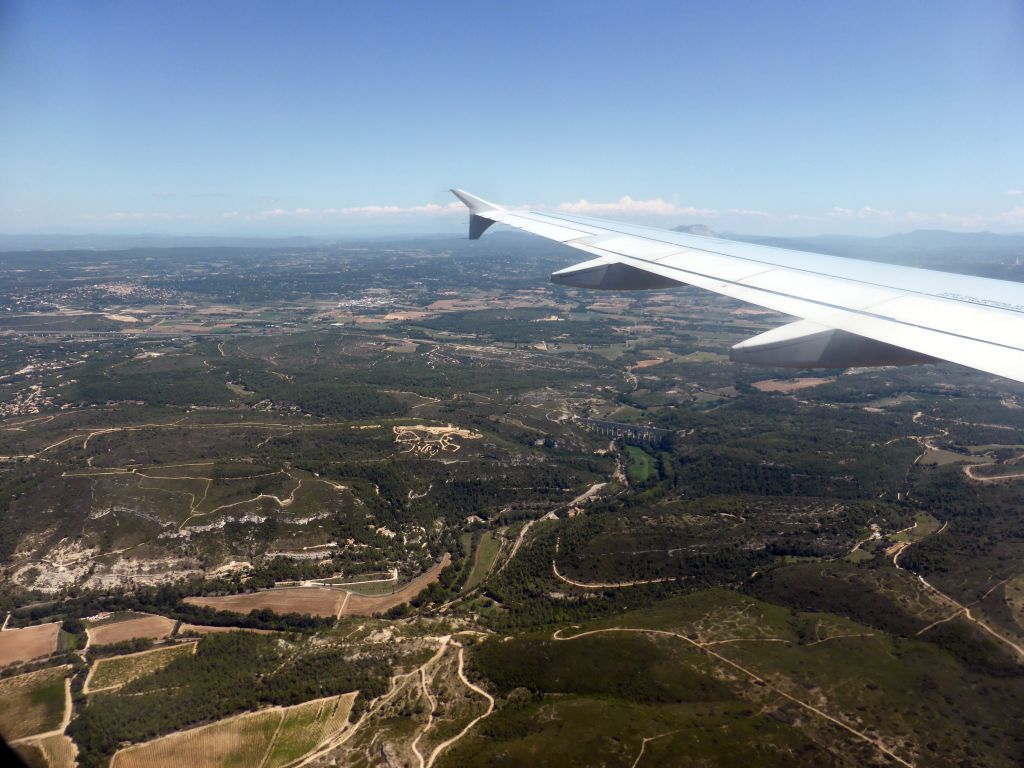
{"points": [[804, 344], [611, 275], [854, 313]]}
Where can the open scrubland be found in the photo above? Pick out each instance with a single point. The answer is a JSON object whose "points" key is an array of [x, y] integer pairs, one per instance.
{"points": [[525, 523]]}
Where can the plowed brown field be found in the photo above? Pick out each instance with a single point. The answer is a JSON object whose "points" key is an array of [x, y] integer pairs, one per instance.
{"points": [[319, 601], [28, 643], [156, 627], [315, 601]]}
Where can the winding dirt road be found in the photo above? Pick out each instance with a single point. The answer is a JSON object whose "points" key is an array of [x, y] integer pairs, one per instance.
{"points": [[490, 708], [960, 608], [599, 584]]}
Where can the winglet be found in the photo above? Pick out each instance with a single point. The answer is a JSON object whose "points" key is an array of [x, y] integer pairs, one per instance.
{"points": [[475, 204], [477, 224]]}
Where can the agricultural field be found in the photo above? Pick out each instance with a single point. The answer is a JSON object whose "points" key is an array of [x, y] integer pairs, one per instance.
{"points": [[32, 703], [315, 601], [108, 673], [118, 631], [786, 386], [271, 738], [323, 601], [230, 674], [483, 559], [368, 605], [18, 645], [55, 751], [641, 464]]}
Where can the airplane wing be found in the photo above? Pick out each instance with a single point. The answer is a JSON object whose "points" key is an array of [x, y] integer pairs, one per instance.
{"points": [[854, 313]]}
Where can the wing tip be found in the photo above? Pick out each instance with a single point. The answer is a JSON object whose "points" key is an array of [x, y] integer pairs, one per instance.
{"points": [[478, 224], [474, 203]]}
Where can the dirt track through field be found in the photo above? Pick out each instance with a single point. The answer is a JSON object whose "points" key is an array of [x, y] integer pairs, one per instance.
{"points": [[363, 605], [325, 602], [65, 719], [231, 740]]}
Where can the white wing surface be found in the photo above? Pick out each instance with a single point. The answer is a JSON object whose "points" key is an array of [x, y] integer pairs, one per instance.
{"points": [[854, 312]]}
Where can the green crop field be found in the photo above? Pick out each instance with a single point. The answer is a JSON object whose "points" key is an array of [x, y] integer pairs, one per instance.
{"points": [[32, 703], [483, 559], [641, 464]]}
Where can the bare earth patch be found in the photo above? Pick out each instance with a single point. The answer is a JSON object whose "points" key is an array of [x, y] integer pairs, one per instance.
{"points": [[789, 385], [315, 601], [429, 440], [28, 643], [155, 627]]}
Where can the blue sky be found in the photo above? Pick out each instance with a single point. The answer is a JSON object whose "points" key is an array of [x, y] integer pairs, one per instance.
{"points": [[355, 117]]}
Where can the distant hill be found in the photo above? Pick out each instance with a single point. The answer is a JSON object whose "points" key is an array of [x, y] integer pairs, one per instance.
{"points": [[696, 229], [923, 247]]}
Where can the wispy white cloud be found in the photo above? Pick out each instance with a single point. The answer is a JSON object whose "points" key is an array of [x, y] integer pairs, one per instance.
{"points": [[864, 212], [1014, 217], [662, 212], [627, 206], [359, 211], [138, 216], [1015, 192], [1011, 217]]}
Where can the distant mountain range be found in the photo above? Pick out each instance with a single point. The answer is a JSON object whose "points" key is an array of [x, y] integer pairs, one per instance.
{"points": [[921, 247]]}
